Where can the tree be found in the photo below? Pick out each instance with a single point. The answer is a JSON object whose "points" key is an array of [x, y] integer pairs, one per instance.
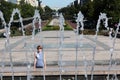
{"points": [[47, 14], [69, 11], [7, 9], [27, 10], [88, 10], [112, 8], [22, 2]]}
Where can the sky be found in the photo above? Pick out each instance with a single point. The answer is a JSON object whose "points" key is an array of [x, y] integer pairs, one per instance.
{"points": [[56, 3]]}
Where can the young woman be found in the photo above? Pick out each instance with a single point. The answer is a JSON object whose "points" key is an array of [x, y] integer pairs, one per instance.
{"points": [[39, 58]]}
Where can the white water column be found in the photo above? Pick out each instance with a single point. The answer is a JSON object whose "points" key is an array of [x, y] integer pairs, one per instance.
{"points": [[2, 60], [112, 48], [37, 19], [15, 11], [61, 25], [103, 17], [79, 36]]}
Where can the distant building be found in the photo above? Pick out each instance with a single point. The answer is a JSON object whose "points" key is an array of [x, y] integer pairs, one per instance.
{"points": [[32, 2], [12, 1], [75, 2], [39, 2], [80, 2]]}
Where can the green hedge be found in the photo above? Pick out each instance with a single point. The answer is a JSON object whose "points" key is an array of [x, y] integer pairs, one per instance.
{"points": [[48, 27]]}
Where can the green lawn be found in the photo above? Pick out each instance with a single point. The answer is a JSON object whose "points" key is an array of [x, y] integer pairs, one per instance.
{"points": [[48, 27]]}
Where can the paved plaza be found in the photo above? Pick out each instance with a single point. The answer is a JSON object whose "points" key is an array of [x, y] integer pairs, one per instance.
{"points": [[23, 48]]}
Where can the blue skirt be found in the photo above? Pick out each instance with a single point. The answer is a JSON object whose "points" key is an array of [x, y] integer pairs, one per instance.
{"points": [[39, 66]]}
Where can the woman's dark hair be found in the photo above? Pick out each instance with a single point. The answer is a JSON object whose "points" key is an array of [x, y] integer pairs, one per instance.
{"points": [[39, 47]]}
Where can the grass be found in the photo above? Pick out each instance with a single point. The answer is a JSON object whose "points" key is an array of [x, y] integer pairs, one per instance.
{"points": [[89, 32], [67, 27], [19, 32], [49, 27]]}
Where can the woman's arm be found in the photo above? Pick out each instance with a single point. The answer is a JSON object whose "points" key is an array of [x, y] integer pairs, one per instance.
{"points": [[45, 61], [35, 60]]}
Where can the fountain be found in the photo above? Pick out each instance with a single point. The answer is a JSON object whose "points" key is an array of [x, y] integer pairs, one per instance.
{"points": [[20, 18], [37, 19], [85, 67], [61, 25], [7, 34], [4, 24], [79, 36], [102, 16], [113, 39]]}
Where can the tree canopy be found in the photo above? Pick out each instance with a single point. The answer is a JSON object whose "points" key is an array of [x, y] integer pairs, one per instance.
{"points": [[91, 10], [7, 9], [47, 14], [26, 9]]}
